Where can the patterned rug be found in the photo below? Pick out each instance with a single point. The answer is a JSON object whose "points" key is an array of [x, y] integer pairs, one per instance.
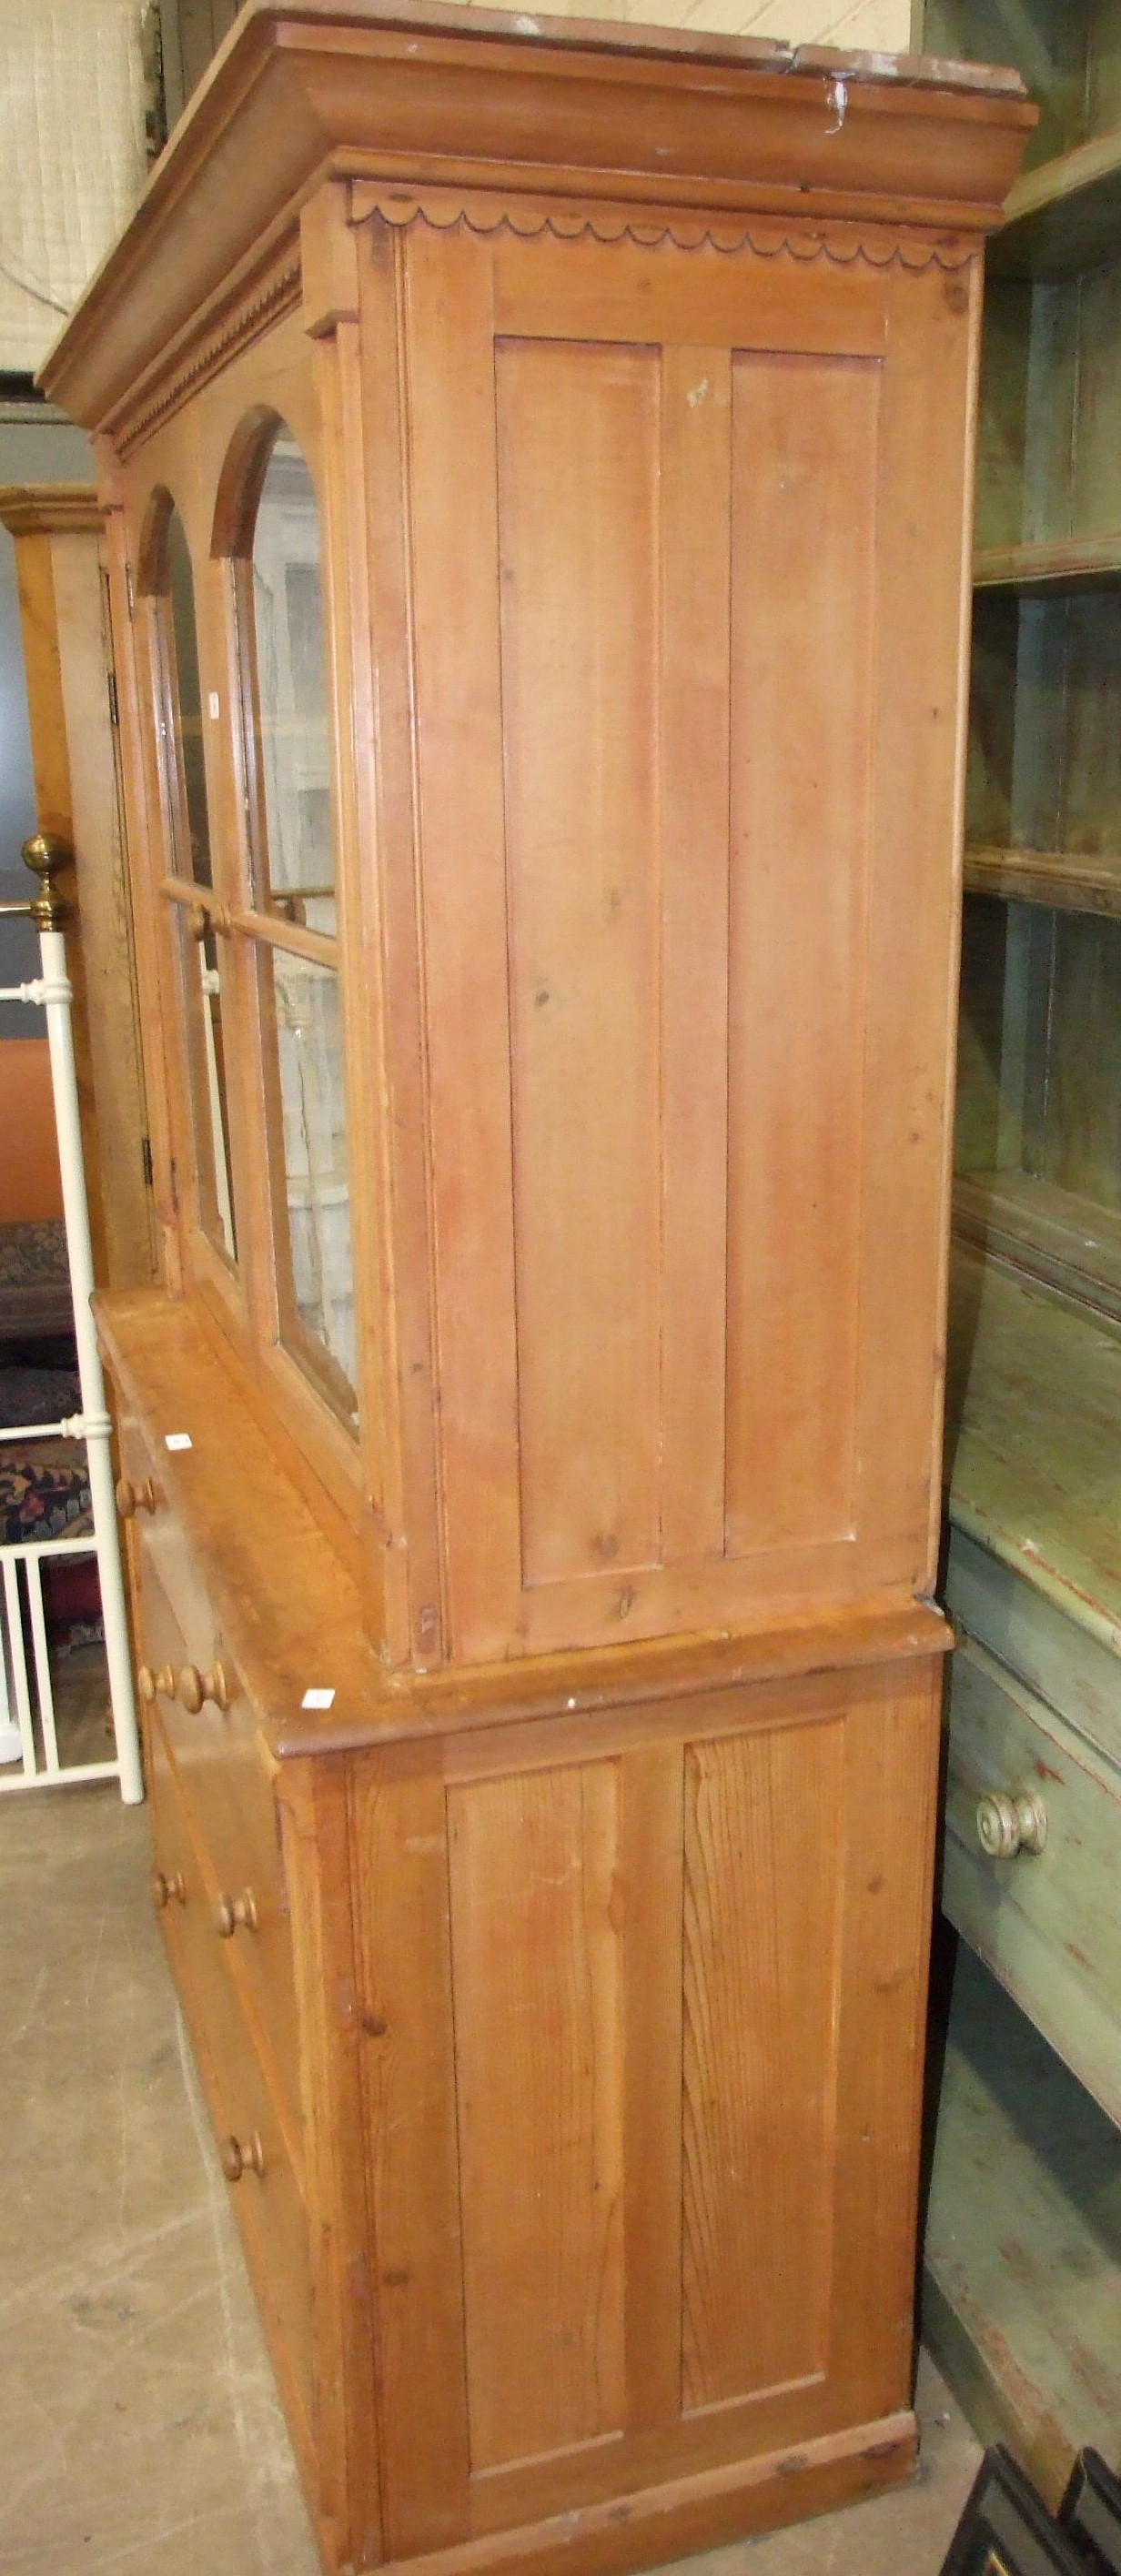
{"points": [[44, 1492]]}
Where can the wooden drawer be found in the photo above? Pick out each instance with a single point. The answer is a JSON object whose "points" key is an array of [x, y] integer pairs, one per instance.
{"points": [[1046, 1921], [158, 1537], [268, 2203], [1058, 1656], [225, 1782]]}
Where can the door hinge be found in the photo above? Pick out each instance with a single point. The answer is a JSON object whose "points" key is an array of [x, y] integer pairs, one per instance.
{"points": [[174, 1178], [114, 711], [146, 1159], [130, 590]]}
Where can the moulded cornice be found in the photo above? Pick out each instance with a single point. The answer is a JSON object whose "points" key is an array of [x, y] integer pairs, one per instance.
{"points": [[418, 96], [50, 510], [238, 318]]}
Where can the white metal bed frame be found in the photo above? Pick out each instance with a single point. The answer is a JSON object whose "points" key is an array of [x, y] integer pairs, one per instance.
{"points": [[29, 1750]]}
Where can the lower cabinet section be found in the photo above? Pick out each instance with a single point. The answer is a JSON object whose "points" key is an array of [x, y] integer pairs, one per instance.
{"points": [[649, 2020], [567, 2078]]}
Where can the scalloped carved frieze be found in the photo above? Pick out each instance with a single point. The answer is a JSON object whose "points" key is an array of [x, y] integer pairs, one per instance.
{"points": [[769, 237]]}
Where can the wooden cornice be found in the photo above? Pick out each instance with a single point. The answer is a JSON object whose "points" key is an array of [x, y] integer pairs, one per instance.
{"points": [[50, 509], [421, 94]]}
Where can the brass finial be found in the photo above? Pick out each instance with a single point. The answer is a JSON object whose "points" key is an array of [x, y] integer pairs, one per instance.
{"points": [[43, 854]]}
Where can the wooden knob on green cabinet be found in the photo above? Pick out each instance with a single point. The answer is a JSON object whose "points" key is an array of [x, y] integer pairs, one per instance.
{"points": [[232, 1911], [241, 2156], [167, 1887], [134, 1498], [194, 1687], [1007, 1825]]}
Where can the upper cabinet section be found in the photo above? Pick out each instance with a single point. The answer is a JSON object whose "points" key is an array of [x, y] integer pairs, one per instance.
{"points": [[564, 427]]}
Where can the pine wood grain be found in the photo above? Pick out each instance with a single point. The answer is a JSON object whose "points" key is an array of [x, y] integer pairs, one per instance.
{"points": [[538, 2005], [315, 1819], [577, 469], [759, 2005], [803, 534], [695, 615]]}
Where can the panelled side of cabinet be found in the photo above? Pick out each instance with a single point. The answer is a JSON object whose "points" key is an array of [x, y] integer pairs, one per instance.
{"points": [[669, 1985], [745, 1416]]}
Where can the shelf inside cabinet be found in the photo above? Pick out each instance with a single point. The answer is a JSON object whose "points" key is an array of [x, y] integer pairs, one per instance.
{"points": [[1051, 567], [1066, 879], [1022, 2266], [1033, 1438], [1065, 215], [1070, 1242], [1045, 715]]}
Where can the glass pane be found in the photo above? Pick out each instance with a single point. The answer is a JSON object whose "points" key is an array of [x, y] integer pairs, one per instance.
{"points": [[190, 856], [293, 856], [311, 1191], [190, 821], [202, 964]]}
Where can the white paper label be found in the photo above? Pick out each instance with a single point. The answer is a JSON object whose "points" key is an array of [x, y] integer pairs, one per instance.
{"points": [[318, 1699], [177, 1440]]}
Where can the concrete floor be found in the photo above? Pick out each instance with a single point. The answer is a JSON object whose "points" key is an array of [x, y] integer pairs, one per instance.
{"points": [[138, 2425]]}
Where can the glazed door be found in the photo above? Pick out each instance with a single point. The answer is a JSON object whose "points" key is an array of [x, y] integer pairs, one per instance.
{"points": [[687, 589]]}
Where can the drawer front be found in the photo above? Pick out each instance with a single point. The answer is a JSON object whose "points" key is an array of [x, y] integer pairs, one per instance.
{"points": [[224, 1780], [1046, 1921], [159, 1538], [268, 2202], [1053, 1654]]}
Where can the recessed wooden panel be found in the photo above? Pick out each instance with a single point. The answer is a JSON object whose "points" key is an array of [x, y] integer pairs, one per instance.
{"points": [[687, 975], [803, 570], [762, 1962], [536, 1960], [577, 522], [404, 1967]]}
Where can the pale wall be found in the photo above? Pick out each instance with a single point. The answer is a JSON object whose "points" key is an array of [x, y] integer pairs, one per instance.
{"points": [[879, 26]]}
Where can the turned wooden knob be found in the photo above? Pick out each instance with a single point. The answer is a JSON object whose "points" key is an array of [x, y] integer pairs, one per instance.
{"points": [[242, 2156], [1007, 1825], [231, 1911], [194, 1687], [152, 1685], [167, 1886], [134, 1498], [203, 918]]}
